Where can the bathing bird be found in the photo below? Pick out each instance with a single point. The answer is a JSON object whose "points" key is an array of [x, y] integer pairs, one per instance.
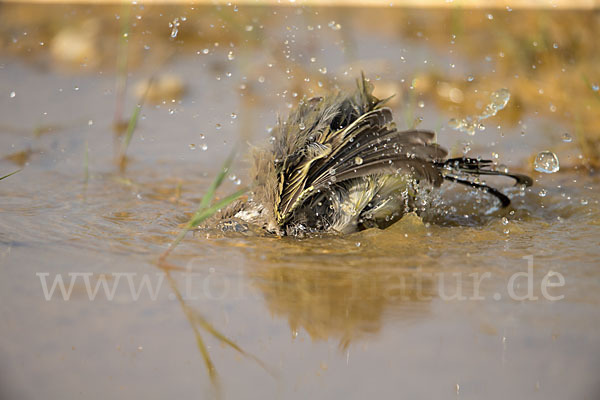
{"points": [[338, 164]]}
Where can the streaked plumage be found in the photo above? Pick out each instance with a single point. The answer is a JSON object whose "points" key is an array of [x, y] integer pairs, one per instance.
{"points": [[339, 164]]}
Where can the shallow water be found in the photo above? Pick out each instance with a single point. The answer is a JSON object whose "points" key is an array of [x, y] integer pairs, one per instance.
{"points": [[421, 310]]}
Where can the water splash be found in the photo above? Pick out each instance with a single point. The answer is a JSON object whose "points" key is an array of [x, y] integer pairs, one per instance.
{"points": [[174, 27], [471, 124], [547, 162]]}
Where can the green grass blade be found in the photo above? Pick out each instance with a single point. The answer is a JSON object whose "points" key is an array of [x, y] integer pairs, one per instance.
{"points": [[210, 193], [132, 125], [202, 215], [130, 128], [12, 173]]}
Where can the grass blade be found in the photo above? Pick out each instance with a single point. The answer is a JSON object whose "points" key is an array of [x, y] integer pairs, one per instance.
{"points": [[131, 127], [202, 215], [12, 173], [210, 193], [205, 210], [190, 315]]}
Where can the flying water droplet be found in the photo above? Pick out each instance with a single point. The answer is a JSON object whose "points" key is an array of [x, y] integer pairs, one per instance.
{"points": [[542, 193], [547, 162], [174, 27], [334, 26], [204, 147], [566, 137], [358, 160], [470, 124], [12, 95]]}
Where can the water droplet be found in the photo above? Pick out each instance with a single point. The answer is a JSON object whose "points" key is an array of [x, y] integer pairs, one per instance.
{"points": [[313, 59], [334, 26], [500, 98], [233, 115], [504, 221], [249, 28], [230, 56], [566, 137], [192, 146], [357, 244], [204, 147], [595, 87], [358, 160], [490, 17], [12, 95], [174, 27], [584, 202], [205, 51], [547, 162], [218, 126], [542, 193], [470, 78], [421, 104], [261, 79], [301, 126], [323, 70]]}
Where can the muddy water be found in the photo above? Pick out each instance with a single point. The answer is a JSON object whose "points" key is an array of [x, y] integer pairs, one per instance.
{"points": [[474, 302]]}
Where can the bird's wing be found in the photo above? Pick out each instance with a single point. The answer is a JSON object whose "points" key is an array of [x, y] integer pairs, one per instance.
{"points": [[369, 145]]}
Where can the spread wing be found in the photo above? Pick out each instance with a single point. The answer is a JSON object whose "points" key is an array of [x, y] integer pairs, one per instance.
{"points": [[369, 145]]}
